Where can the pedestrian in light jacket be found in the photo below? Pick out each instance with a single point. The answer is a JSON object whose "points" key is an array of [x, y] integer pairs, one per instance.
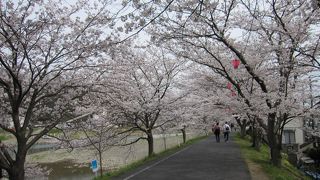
{"points": [[226, 131]]}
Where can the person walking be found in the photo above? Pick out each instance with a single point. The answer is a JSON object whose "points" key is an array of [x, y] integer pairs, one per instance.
{"points": [[226, 131], [216, 130]]}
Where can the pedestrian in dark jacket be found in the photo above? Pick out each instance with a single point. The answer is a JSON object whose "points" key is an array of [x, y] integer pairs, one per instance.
{"points": [[216, 130]]}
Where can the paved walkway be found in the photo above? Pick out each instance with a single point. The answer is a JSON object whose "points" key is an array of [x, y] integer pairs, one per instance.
{"points": [[202, 161]]}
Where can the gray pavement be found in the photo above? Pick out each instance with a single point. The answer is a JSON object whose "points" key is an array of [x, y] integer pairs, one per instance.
{"points": [[204, 160]]}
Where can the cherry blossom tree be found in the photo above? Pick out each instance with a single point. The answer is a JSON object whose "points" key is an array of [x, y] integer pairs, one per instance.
{"points": [[46, 57], [272, 35], [142, 91], [99, 133], [216, 100]]}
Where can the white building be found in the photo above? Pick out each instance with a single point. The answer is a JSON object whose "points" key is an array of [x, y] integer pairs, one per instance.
{"points": [[293, 132]]}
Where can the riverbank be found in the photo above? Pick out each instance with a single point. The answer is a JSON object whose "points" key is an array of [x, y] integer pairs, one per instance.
{"points": [[76, 163]]}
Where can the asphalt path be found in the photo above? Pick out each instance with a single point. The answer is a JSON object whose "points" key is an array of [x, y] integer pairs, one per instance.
{"points": [[203, 160]]}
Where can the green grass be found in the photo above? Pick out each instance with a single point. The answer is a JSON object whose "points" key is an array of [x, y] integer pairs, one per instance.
{"points": [[286, 172], [3, 137], [139, 163], [55, 131]]}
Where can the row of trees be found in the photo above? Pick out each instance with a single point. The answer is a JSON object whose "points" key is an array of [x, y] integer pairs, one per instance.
{"points": [[65, 67], [277, 43], [61, 64]]}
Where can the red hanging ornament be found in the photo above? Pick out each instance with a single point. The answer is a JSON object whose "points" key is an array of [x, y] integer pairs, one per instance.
{"points": [[229, 85], [235, 63]]}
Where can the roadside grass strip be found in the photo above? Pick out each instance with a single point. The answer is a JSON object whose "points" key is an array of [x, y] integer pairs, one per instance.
{"points": [[262, 158]]}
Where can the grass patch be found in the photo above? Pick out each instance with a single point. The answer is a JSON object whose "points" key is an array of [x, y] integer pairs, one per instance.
{"points": [[286, 172], [139, 163], [3, 137], [55, 131]]}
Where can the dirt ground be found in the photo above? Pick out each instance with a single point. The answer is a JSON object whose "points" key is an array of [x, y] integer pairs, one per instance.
{"points": [[256, 171]]}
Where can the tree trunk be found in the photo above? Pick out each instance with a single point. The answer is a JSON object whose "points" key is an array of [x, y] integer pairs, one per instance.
{"points": [[184, 134], [254, 139], [253, 135], [275, 155], [256, 134], [242, 126], [150, 143], [17, 169], [258, 138], [165, 142], [100, 161], [243, 131], [273, 141]]}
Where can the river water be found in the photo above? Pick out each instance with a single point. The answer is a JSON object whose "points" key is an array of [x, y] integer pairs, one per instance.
{"points": [[76, 165]]}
